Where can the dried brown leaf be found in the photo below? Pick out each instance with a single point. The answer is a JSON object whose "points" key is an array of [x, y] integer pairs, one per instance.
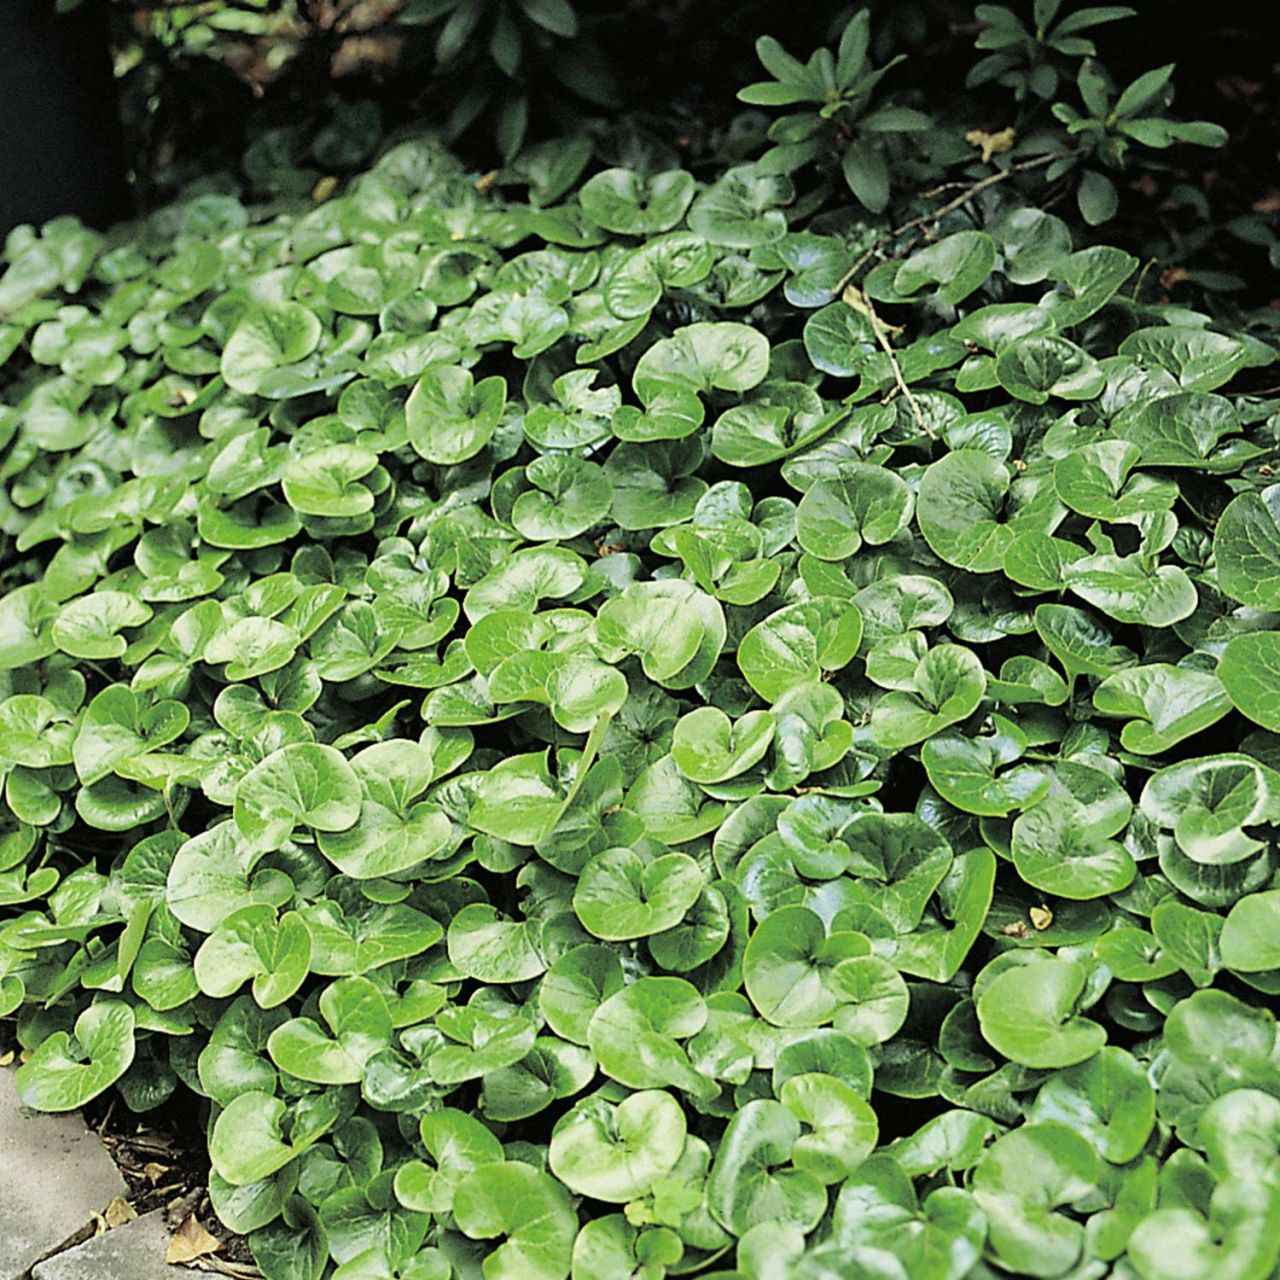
{"points": [[118, 1212], [991, 144], [191, 1241]]}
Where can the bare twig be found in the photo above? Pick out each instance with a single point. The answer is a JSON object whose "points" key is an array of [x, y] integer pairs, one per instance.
{"points": [[970, 189], [106, 1120], [1259, 392], [978, 187], [859, 301], [225, 1267], [1142, 277]]}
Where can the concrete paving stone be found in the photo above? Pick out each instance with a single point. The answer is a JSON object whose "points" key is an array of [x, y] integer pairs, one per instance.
{"points": [[54, 1176], [134, 1251]]}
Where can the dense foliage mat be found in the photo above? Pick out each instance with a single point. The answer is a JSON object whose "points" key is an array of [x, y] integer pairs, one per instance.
{"points": [[674, 731]]}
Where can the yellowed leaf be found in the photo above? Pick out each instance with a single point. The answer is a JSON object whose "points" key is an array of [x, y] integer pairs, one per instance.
{"points": [[991, 144], [118, 1212], [191, 1241], [324, 188], [1041, 917], [6, 1059], [154, 1171]]}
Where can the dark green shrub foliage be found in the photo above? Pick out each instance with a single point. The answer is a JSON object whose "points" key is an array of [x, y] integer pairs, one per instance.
{"points": [[691, 729]]}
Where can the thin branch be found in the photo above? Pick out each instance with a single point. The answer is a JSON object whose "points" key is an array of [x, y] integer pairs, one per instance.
{"points": [[1021, 166], [927, 219], [859, 301], [1142, 277], [981, 185], [1259, 393]]}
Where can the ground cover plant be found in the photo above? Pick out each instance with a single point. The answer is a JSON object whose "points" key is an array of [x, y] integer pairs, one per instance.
{"points": [[612, 721]]}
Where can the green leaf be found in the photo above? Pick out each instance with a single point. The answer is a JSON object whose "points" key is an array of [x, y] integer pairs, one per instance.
{"points": [[1246, 548], [1088, 279], [965, 513], [1133, 588], [867, 174], [450, 416], [1199, 359], [1036, 368], [1024, 1181], [360, 1026], [675, 629], [1250, 941], [116, 729], [947, 686], [326, 482], [528, 1209], [709, 747], [751, 1181], [1234, 1233], [878, 1216], [1097, 197], [789, 967], [635, 1035], [966, 772], [740, 210], [617, 1153], [90, 626], [1028, 1013], [247, 1142], [1095, 481], [958, 264], [798, 644], [724, 356], [483, 946], [1250, 672], [268, 339], [1167, 704], [859, 503], [570, 496], [843, 1128], [303, 783], [252, 943], [622, 200], [839, 340], [1107, 1100], [65, 1072]]}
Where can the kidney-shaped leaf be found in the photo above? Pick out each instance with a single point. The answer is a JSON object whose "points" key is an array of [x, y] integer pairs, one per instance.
{"points": [[65, 1072], [1028, 1013], [616, 1153]]}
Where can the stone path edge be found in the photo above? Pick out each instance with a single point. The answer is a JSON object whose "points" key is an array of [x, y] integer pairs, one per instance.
{"points": [[55, 1178]]}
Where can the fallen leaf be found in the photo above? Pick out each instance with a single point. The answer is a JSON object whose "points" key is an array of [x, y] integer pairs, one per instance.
{"points": [[6, 1059], [991, 144], [367, 55], [1041, 917], [118, 1212], [191, 1241], [153, 1172], [1269, 203], [364, 15]]}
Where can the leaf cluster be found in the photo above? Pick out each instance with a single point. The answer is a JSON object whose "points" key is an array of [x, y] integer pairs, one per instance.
{"points": [[563, 722]]}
